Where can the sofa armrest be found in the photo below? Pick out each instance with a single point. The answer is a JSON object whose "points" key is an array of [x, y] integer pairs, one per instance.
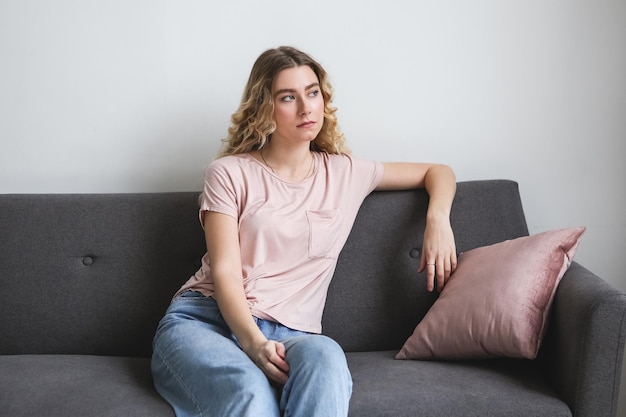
{"points": [[584, 345]]}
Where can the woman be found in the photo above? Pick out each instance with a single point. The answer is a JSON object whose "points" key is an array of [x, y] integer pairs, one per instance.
{"points": [[242, 336]]}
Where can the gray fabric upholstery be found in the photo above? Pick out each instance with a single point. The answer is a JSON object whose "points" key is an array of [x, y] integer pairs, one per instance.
{"points": [[84, 280], [442, 389], [92, 274], [584, 345], [78, 385]]}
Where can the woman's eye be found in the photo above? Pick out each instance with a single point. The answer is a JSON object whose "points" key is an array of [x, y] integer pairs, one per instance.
{"points": [[288, 98], [314, 93]]}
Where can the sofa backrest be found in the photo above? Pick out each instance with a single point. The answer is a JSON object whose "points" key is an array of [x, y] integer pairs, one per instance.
{"points": [[93, 274]]}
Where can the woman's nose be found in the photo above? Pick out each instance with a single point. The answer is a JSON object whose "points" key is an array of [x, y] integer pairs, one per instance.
{"points": [[304, 108]]}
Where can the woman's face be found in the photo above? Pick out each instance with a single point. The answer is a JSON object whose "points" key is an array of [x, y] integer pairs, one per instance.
{"points": [[298, 105]]}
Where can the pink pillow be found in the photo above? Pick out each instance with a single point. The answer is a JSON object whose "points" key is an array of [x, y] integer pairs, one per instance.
{"points": [[497, 301]]}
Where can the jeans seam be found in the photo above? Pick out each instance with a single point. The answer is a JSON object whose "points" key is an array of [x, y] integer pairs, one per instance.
{"points": [[177, 377]]}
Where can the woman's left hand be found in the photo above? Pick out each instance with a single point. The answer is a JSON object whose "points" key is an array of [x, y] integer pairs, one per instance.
{"points": [[438, 252], [439, 249]]}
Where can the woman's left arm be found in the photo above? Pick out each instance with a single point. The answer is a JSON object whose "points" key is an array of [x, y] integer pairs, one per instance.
{"points": [[439, 250]]}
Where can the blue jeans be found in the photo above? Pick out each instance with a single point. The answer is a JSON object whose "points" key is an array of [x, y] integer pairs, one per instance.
{"points": [[200, 369]]}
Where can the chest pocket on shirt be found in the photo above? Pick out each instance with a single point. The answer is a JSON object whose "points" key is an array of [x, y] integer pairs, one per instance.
{"points": [[324, 228]]}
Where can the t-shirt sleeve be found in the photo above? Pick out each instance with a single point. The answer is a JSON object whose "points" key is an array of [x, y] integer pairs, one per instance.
{"points": [[219, 194], [371, 171]]}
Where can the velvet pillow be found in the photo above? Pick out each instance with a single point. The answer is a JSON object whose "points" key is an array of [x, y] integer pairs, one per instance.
{"points": [[497, 301]]}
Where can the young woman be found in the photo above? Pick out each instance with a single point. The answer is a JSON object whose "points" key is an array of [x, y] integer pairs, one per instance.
{"points": [[242, 336]]}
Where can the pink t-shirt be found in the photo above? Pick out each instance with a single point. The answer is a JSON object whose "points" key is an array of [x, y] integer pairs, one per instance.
{"points": [[290, 233]]}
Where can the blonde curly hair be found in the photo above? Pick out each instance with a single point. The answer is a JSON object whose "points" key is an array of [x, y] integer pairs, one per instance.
{"points": [[253, 124]]}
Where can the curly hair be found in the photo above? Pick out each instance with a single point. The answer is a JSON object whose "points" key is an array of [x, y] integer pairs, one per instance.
{"points": [[253, 124]]}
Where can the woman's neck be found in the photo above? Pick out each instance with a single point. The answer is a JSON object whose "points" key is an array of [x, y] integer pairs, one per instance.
{"points": [[292, 163]]}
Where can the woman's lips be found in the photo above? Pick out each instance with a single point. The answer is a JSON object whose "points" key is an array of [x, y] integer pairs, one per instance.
{"points": [[306, 124]]}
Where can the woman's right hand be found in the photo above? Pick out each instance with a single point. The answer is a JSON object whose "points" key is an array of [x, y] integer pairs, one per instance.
{"points": [[269, 356]]}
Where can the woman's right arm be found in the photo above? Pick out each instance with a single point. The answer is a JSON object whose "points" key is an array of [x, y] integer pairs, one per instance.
{"points": [[222, 241]]}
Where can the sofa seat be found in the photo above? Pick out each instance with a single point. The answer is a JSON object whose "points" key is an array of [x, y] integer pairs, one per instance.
{"points": [[87, 385], [78, 385], [482, 388]]}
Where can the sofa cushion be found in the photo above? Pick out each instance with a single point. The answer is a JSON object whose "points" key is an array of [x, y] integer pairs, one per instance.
{"points": [[78, 385], [74, 385], [497, 301], [384, 386]]}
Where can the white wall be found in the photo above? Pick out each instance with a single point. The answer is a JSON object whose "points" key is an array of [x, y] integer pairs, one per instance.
{"points": [[120, 96]]}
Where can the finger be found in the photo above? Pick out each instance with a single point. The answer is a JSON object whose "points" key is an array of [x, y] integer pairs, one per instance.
{"points": [[274, 373], [422, 265], [448, 269], [278, 357], [453, 262], [440, 271], [430, 276], [447, 265], [269, 360], [280, 349]]}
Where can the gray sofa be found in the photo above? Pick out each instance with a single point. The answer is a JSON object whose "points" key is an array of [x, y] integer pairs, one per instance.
{"points": [[84, 279]]}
